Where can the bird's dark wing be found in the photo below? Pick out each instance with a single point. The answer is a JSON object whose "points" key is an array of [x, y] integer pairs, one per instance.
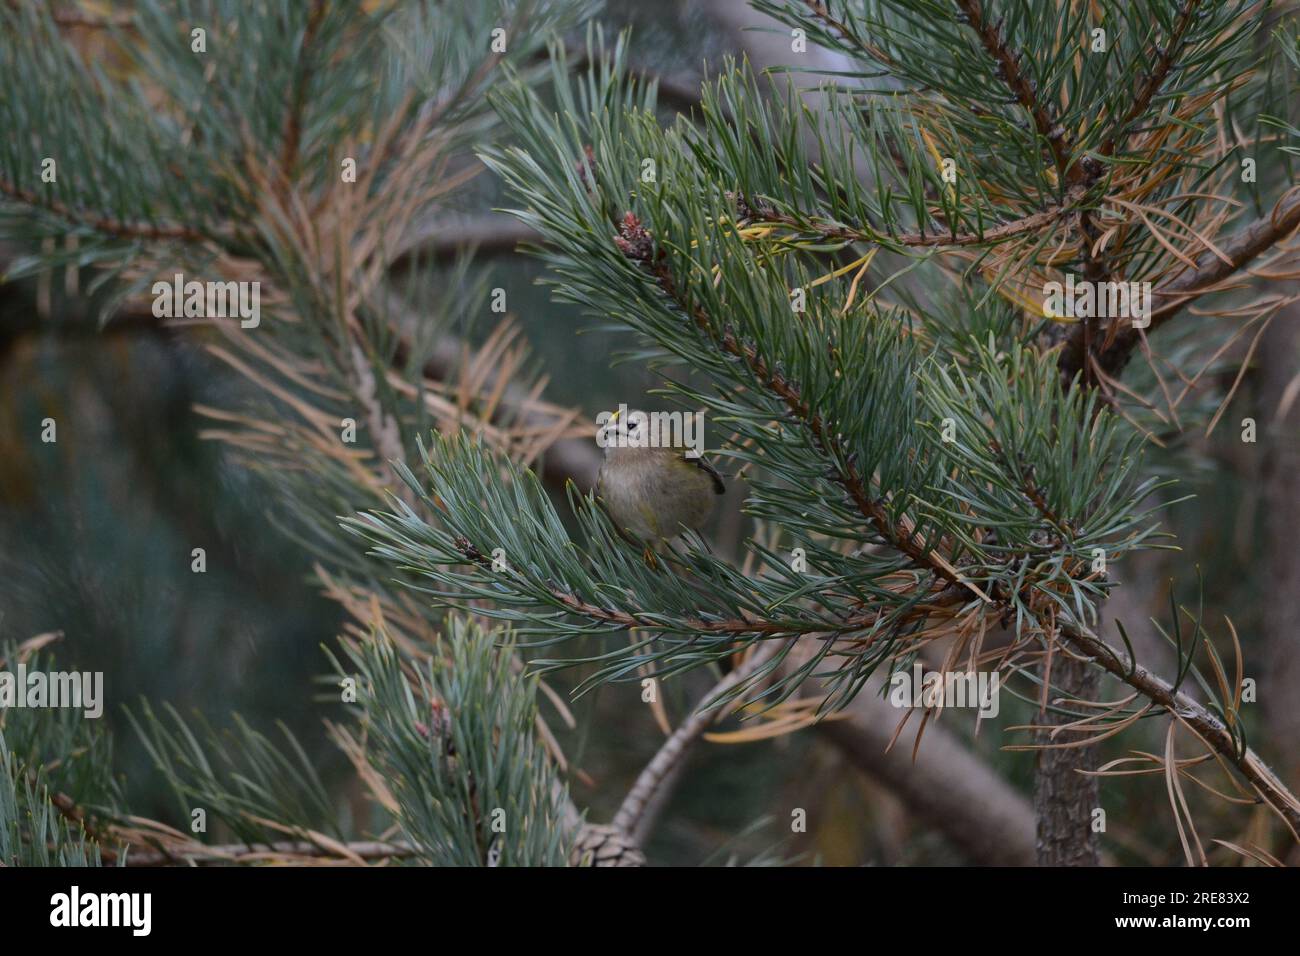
{"points": [[718, 487]]}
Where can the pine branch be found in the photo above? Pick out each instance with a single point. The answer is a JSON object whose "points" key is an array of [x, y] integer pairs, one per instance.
{"points": [[1165, 59], [115, 228], [629, 620], [819, 10], [763, 214], [567, 459], [1008, 61], [1035, 494], [284, 852], [1242, 248], [298, 98], [76, 816], [75, 18], [637, 244], [573, 215], [455, 738], [1094, 267], [1196, 717], [53, 765]]}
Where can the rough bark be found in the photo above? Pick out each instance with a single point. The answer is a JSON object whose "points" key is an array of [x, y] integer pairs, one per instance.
{"points": [[1064, 798], [1278, 422]]}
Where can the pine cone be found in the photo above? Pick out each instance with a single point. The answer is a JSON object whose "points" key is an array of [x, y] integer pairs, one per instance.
{"points": [[603, 845]]}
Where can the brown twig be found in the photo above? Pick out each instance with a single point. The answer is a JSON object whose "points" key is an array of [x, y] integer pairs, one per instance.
{"points": [[1001, 233], [1165, 58], [674, 749], [234, 853], [75, 18], [69, 810], [1094, 268], [1031, 490], [1240, 249], [625, 620], [1209, 727], [820, 11], [117, 228], [1008, 61], [1081, 355], [297, 100]]}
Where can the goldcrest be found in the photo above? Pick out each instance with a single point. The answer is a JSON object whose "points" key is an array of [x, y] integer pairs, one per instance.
{"points": [[653, 493]]}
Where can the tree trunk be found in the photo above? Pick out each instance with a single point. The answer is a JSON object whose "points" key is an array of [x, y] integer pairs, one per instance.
{"points": [[1278, 422], [1064, 799]]}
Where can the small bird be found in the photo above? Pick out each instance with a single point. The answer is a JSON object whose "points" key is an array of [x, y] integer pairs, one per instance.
{"points": [[653, 493]]}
